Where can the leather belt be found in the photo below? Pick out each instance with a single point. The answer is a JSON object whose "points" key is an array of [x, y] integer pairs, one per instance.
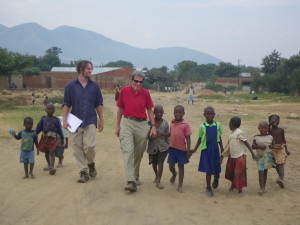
{"points": [[135, 119]]}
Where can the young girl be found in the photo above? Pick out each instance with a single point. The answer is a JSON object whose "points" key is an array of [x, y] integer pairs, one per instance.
{"points": [[209, 138], [29, 139], [263, 143], [279, 152], [51, 128], [236, 152], [158, 146]]}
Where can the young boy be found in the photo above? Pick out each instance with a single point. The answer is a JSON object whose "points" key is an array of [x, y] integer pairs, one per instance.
{"points": [[29, 138], [180, 144], [158, 146], [59, 152], [279, 152], [51, 127]]}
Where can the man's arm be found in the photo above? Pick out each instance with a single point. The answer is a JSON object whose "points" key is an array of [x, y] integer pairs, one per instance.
{"points": [[100, 115], [119, 117], [151, 118], [66, 110]]}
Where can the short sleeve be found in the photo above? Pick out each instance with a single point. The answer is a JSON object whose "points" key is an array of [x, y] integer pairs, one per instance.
{"points": [[149, 103], [201, 131], [67, 96], [19, 136], [241, 136], [187, 130], [120, 103], [99, 98]]}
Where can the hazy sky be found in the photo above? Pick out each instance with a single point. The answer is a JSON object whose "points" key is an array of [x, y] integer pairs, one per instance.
{"points": [[227, 29]]}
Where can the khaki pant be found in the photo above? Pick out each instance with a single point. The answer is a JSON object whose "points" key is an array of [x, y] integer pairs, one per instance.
{"points": [[84, 141], [133, 140]]}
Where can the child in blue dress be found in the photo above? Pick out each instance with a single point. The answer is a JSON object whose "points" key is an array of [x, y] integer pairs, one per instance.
{"points": [[209, 141], [29, 138]]}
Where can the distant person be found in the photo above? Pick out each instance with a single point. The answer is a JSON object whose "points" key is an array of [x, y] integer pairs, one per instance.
{"points": [[191, 95], [132, 127], [50, 127], [280, 150], [83, 96], [29, 139], [117, 93], [263, 143], [46, 100], [236, 169], [158, 146], [59, 152], [180, 145], [209, 141], [32, 99]]}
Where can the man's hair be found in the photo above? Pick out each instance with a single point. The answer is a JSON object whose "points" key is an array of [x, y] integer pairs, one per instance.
{"points": [[270, 117], [235, 122], [27, 119], [82, 64], [137, 73]]}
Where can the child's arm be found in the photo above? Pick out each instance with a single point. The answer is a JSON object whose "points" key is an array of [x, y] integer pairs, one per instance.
{"points": [[221, 145], [284, 143], [66, 143], [272, 145], [13, 133], [188, 146], [197, 145], [254, 157], [36, 146], [256, 146]]}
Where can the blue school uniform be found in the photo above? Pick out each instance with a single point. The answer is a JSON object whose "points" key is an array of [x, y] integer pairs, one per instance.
{"points": [[210, 157]]}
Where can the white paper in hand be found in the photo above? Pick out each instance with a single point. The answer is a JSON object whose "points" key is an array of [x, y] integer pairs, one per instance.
{"points": [[74, 122]]}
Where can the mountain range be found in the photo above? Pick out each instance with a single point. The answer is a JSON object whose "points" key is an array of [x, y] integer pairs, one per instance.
{"points": [[76, 43]]}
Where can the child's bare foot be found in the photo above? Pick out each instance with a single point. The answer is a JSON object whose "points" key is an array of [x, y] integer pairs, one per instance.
{"points": [[26, 176], [158, 185], [241, 193], [173, 178], [261, 192], [180, 190], [47, 168], [59, 165], [280, 183], [52, 171], [31, 175], [155, 180]]}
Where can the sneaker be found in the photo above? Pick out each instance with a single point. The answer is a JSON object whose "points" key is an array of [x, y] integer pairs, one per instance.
{"points": [[131, 186], [84, 177], [209, 192], [92, 170], [215, 184]]}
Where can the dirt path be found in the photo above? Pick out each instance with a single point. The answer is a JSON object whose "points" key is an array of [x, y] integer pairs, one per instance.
{"points": [[52, 200]]}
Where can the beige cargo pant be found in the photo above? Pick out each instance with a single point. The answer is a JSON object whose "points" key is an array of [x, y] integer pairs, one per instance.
{"points": [[84, 141], [133, 141]]}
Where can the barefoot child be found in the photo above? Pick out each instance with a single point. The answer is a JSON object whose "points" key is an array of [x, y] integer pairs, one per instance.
{"points": [[263, 143], [59, 152], [50, 127], [29, 138], [180, 144], [158, 146], [236, 152], [279, 152], [209, 139]]}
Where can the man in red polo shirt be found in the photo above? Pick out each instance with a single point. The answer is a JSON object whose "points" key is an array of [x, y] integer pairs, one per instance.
{"points": [[133, 129]]}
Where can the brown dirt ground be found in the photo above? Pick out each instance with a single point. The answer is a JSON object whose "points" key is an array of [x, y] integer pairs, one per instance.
{"points": [[59, 199]]}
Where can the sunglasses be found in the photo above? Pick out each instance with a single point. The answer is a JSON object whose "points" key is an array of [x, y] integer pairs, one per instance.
{"points": [[138, 81]]}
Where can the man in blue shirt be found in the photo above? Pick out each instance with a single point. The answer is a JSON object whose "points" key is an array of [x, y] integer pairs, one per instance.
{"points": [[84, 98]]}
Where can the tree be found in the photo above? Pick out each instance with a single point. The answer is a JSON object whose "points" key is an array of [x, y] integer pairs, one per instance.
{"points": [[227, 70], [186, 71], [271, 62], [119, 63], [159, 76], [50, 59]]}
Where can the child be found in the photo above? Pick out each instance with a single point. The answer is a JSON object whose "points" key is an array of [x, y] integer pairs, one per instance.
{"points": [[180, 144], [263, 143], [279, 152], [59, 152], [29, 138], [158, 146], [236, 152], [51, 127], [209, 138], [33, 99]]}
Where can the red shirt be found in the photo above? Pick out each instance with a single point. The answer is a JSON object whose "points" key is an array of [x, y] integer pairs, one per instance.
{"points": [[134, 104], [178, 132]]}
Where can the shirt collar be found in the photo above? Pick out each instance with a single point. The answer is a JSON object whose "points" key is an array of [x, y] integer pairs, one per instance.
{"points": [[182, 122], [211, 125]]}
